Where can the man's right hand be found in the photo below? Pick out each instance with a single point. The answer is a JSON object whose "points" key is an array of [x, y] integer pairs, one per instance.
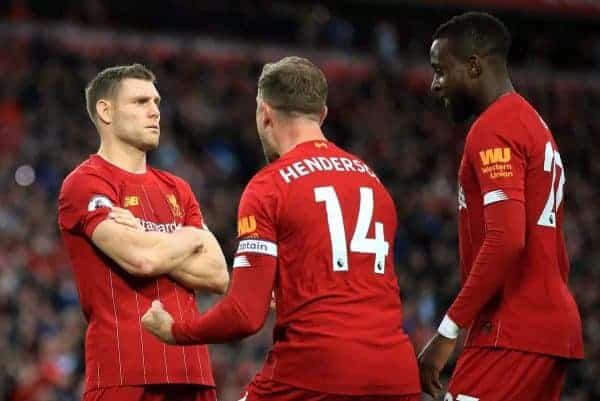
{"points": [[144, 253], [126, 218], [432, 360], [159, 322]]}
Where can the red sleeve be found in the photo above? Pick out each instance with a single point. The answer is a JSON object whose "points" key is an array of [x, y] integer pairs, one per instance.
{"points": [[242, 312], [504, 241], [193, 214], [498, 156], [244, 308], [85, 201]]}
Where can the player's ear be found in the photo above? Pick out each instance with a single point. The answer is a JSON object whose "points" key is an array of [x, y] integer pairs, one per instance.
{"points": [[104, 111], [267, 114], [323, 115], [474, 66]]}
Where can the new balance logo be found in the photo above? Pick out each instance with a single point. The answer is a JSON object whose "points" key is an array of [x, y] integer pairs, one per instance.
{"points": [[494, 155], [131, 201]]}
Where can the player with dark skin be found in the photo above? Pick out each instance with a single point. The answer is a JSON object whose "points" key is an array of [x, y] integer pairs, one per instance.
{"points": [[468, 77]]}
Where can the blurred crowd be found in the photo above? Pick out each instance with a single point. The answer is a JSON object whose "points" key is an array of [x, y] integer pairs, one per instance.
{"points": [[389, 28], [384, 115]]}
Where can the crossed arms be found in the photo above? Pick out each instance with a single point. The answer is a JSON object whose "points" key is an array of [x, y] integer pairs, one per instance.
{"points": [[189, 255]]}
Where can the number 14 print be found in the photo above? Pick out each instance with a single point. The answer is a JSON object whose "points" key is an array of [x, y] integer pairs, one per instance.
{"points": [[360, 243]]}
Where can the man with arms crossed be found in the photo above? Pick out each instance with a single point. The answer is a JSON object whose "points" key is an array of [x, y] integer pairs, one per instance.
{"points": [[318, 227], [523, 322], [135, 234]]}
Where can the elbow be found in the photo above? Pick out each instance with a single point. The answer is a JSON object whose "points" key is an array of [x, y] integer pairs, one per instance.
{"points": [[251, 327], [147, 265], [515, 245], [221, 282], [508, 244], [217, 281], [145, 268], [250, 321]]}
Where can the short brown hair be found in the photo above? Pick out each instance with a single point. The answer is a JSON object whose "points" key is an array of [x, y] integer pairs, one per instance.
{"points": [[107, 82], [293, 85]]}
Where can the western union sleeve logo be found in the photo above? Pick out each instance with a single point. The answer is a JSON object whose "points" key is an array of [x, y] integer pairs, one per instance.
{"points": [[495, 155], [246, 225], [131, 201]]}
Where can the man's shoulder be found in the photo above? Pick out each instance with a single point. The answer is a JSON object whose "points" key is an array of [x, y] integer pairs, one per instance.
{"points": [[169, 178], [86, 172], [347, 154], [263, 180], [512, 121], [511, 112]]}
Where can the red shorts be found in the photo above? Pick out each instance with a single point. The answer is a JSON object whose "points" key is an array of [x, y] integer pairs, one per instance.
{"points": [[492, 374], [153, 392], [262, 390]]}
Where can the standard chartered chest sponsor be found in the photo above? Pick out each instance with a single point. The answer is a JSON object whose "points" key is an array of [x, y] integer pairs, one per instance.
{"points": [[160, 227]]}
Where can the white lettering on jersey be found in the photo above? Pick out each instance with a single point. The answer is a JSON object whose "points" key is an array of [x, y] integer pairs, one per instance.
{"points": [[257, 246], [305, 167], [300, 168], [162, 227], [347, 164], [287, 173]]}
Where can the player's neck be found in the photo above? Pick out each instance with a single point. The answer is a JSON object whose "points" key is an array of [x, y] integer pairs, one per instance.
{"points": [[125, 157], [495, 89], [298, 132]]}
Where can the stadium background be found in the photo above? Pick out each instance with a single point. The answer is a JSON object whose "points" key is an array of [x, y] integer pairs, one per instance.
{"points": [[207, 58]]}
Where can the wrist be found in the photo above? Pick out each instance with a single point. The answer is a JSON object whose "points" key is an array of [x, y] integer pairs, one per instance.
{"points": [[193, 235], [448, 328]]}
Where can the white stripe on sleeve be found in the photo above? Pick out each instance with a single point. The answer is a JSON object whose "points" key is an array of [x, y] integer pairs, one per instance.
{"points": [[494, 196], [241, 261]]}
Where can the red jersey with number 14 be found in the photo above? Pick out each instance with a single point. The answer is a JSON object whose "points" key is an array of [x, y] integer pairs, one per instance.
{"points": [[331, 225], [511, 154]]}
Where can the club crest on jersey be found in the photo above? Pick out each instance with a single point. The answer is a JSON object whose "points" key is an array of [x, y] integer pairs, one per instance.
{"points": [[98, 201], [495, 155], [131, 201], [246, 225], [175, 209]]}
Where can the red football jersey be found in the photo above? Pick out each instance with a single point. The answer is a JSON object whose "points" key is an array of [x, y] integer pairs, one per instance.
{"points": [[511, 154], [117, 350], [330, 224]]}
